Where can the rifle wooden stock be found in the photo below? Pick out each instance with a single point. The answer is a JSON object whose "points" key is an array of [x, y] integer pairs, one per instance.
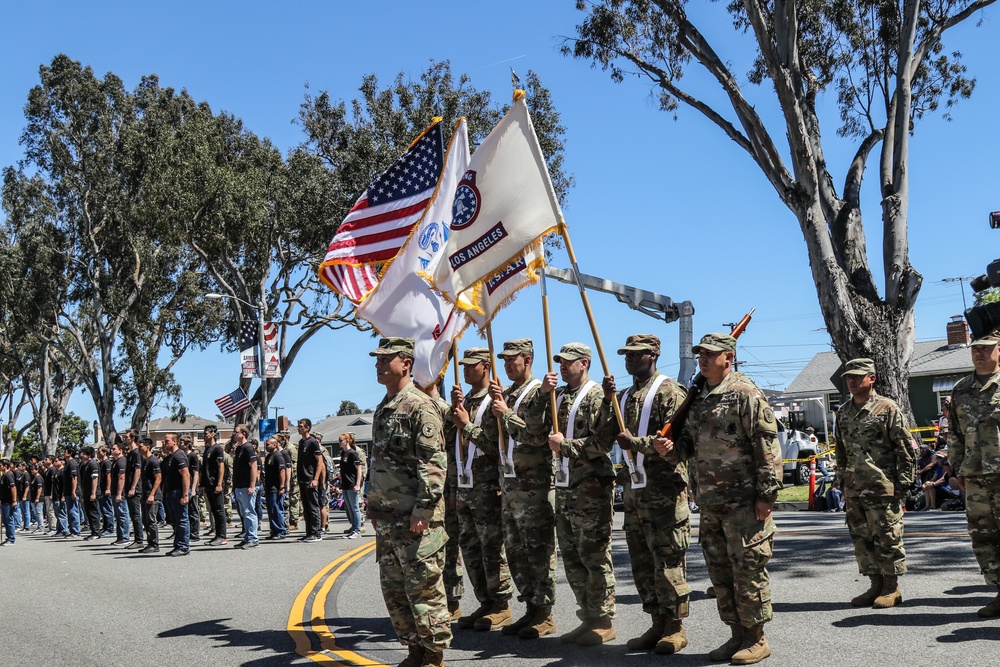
{"points": [[680, 414]]}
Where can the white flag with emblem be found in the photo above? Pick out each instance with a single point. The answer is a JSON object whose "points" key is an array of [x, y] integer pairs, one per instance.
{"points": [[504, 203], [402, 304]]}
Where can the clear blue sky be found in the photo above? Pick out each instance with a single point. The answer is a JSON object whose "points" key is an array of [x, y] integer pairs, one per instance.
{"points": [[672, 207]]}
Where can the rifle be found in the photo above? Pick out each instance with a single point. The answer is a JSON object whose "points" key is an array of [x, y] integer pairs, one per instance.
{"points": [[677, 420]]}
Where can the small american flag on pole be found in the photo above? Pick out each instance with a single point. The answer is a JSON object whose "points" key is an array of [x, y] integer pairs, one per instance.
{"points": [[382, 218], [232, 403]]}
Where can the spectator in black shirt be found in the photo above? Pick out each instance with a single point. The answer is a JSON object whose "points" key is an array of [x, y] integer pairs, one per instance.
{"points": [[176, 493], [310, 472], [151, 495], [245, 473], [90, 474], [48, 474], [213, 472], [71, 479], [276, 481], [350, 482], [35, 496], [133, 489], [22, 516], [119, 499], [104, 500], [58, 499], [8, 502], [194, 470]]}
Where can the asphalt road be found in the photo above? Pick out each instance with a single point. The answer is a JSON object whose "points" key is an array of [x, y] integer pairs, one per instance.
{"points": [[79, 603]]}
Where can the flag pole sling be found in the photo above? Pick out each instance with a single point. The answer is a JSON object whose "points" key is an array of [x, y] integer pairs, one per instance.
{"points": [[495, 376], [564, 231]]}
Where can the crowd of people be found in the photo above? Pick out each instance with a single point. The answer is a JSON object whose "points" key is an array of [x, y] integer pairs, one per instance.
{"points": [[130, 490]]}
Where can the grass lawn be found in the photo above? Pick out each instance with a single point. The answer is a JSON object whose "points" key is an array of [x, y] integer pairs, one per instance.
{"points": [[794, 494]]}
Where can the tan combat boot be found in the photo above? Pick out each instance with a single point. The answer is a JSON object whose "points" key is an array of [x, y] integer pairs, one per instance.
{"points": [[523, 622], [647, 640], [992, 610], [470, 620], [732, 645], [454, 610], [867, 598], [433, 658], [890, 596], [498, 616], [415, 657], [574, 634], [600, 631], [755, 646], [542, 625], [674, 638]]}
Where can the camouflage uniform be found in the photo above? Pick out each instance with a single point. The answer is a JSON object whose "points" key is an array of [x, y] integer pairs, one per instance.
{"points": [[227, 484], [408, 469], [974, 450], [480, 513], [875, 465], [453, 572], [529, 522], [294, 502], [584, 508], [731, 435], [657, 517]]}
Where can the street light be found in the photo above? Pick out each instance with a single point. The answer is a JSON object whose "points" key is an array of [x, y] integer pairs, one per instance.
{"points": [[261, 363]]}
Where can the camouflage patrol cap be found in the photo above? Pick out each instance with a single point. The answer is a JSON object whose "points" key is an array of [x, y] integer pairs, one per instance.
{"points": [[394, 345], [716, 342], [641, 343], [475, 355], [860, 366], [512, 348], [572, 352], [991, 338]]}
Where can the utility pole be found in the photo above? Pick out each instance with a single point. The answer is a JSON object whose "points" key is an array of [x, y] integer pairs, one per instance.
{"points": [[732, 328], [276, 409]]}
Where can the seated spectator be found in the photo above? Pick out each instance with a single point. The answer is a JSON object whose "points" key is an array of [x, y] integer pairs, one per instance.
{"points": [[925, 463], [834, 498], [938, 487]]}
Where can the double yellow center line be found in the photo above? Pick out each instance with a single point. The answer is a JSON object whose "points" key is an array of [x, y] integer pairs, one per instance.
{"points": [[302, 627]]}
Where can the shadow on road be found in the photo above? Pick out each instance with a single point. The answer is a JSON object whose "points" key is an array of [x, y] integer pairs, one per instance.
{"points": [[276, 643]]}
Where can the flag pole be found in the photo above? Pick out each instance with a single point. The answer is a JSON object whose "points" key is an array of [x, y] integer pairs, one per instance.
{"points": [[495, 376], [548, 358], [458, 436], [564, 232]]}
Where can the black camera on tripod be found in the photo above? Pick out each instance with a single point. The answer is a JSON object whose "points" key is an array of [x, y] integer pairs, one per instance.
{"points": [[986, 318]]}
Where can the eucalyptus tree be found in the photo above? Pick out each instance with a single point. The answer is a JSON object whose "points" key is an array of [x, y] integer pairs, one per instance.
{"points": [[887, 65], [99, 180]]}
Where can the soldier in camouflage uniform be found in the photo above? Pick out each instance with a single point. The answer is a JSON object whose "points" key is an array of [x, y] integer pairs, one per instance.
{"points": [[529, 522], [406, 506], [875, 468], [454, 583], [732, 437], [657, 517], [974, 450], [584, 487], [227, 479], [479, 506], [294, 501]]}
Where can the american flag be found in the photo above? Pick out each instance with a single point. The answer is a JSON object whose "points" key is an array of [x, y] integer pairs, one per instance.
{"points": [[232, 403], [382, 218]]}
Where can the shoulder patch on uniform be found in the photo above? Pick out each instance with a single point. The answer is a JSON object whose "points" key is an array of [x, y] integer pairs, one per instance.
{"points": [[768, 416], [428, 430]]}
